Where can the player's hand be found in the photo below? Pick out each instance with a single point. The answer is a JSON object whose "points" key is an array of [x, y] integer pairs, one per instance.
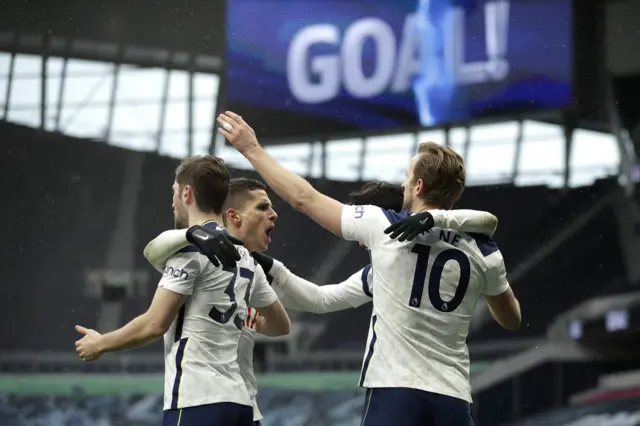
{"points": [[237, 132], [215, 244], [234, 240], [88, 348], [266, 262], [411, 227]]}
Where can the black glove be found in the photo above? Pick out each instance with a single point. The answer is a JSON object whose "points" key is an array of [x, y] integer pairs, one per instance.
{"points": [[234, 240], [411, 227], [266, 262], [215, 244]]}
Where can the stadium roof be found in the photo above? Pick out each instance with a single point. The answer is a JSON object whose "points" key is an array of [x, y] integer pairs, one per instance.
{"points": [[190, 26]]}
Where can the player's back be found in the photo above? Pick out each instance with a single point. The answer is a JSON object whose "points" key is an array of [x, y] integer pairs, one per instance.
{"points": [[425, 294], [201, 346]]}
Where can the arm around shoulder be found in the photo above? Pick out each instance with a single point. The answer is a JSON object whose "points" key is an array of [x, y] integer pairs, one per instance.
{"points": [[165, 245], [471, 221]]}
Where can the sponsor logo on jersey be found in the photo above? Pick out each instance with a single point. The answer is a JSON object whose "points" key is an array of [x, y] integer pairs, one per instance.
{"points": [[170, 271]]}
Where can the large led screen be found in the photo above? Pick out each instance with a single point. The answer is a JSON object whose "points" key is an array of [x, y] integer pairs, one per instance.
{"points": [[301, 67]]}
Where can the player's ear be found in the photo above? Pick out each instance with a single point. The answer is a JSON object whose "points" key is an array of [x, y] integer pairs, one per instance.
{"points": [[233, 217], [187, 194], [419, 186]]}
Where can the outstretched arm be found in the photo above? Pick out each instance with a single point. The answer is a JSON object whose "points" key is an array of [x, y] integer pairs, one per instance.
{"points": [[173, 289], [314, 298], [295, 190]]}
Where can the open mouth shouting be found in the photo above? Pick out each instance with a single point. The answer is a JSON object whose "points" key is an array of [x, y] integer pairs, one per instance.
{"points": [[268, 232]]}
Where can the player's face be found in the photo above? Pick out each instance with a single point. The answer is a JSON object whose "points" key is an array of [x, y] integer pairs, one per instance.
{"points": [[180, 216], [409, 187], [257, 220]]}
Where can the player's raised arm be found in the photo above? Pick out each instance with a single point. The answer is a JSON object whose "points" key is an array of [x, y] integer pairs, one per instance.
{"points": [[295, 190], [310, 297]]}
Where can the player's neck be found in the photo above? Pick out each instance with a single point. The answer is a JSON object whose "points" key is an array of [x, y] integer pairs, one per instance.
{"points": [[421, 207], [202, 218], [237, 233]]}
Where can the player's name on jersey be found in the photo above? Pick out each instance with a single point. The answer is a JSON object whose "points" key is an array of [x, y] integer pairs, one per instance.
{"points": [[446, 235]]}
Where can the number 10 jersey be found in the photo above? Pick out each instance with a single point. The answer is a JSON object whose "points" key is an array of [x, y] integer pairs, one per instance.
{"points": [[424, 296]]}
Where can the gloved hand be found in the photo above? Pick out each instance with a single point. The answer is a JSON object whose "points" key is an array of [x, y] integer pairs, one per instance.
{"points": [[411, 227], [215, 244], [266, 262]]}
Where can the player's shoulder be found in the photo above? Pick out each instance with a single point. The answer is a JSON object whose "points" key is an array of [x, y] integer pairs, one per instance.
{"points": [[191, 252], [487, 248], [393, 216], [381, 214]]}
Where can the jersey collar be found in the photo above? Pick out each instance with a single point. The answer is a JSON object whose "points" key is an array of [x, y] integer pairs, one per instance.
{"points": [[211, 224]]}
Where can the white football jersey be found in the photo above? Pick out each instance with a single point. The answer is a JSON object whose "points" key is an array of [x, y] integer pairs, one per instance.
{"points": [[201, 347], [353, 292], [425, 295], [245, 359]]}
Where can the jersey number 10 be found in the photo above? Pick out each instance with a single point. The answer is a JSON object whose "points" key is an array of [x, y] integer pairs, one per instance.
{"points": [[224, 317], [420, 277]]}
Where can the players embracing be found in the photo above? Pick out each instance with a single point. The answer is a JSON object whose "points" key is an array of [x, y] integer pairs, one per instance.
{"points": [[200, 307], [249, 216], [416, 368]]}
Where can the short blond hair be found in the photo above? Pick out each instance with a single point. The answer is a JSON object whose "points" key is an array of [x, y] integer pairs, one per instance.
{"points": [[442, 172]]}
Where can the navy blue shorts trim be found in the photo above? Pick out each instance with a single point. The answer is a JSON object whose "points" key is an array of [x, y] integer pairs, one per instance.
{"points": [[218, 414], [412, 407]]}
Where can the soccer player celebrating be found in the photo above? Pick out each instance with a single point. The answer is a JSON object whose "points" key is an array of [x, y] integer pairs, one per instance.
{"points": [[416, 369], [299, 294], [200, 309], [249, 216]]}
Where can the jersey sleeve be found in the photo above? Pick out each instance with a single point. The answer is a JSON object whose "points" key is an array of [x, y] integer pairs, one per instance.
{"points": [[262, 294], [496, 275], [165, 245], [181, 272], [365, 224], [280, 275], [469, 221], [311, 297]]}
